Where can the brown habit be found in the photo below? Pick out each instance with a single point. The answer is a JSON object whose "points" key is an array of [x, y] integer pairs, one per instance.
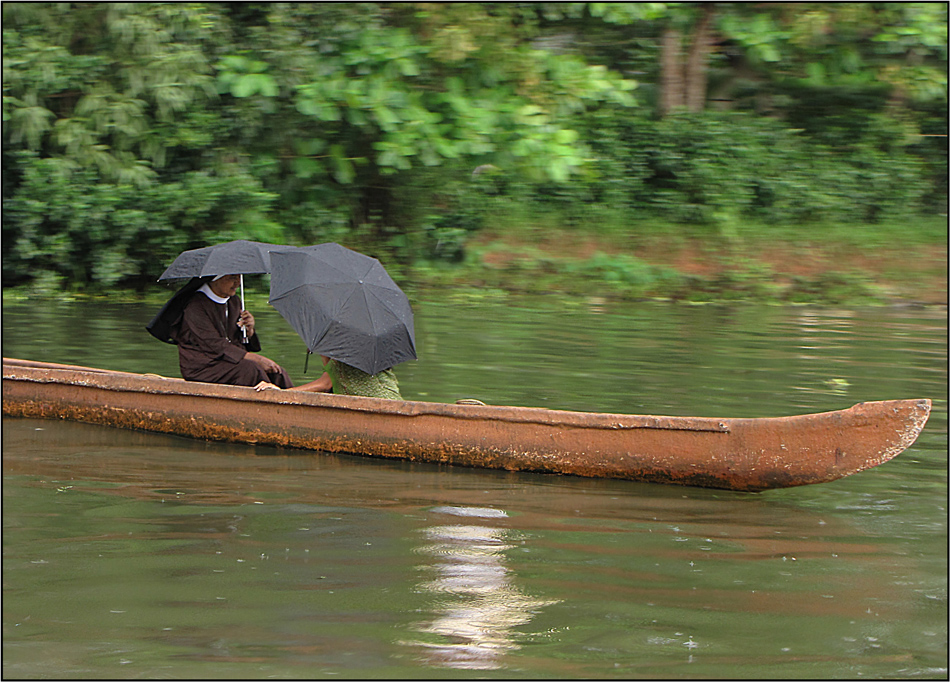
{"points": [[211, 346]]}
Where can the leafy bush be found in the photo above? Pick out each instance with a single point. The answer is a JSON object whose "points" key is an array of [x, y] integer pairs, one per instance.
{"points": [[133, 131], [625, 274], [65, 221], [696, 168]]}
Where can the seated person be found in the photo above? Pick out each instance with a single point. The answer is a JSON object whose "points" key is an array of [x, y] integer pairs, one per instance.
{"points": [[345, 379], [211, 340]]}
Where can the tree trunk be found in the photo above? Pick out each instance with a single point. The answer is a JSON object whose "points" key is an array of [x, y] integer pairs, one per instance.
{"points": [[672, 85], [683, 84], [699, 51]]}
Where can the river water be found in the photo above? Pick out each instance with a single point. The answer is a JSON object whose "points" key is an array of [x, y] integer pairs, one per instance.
{"points": [[130, 554]]}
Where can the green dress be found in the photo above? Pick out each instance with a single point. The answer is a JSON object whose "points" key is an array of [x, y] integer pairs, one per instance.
{"points": [[347, 380]]}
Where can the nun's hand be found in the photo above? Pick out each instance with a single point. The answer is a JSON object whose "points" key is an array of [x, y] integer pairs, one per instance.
{"points": [[247, 321], [266, 386], [266, 364]]}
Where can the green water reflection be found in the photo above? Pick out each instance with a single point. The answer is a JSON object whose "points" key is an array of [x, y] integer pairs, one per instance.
{"points": [[141, 555]]}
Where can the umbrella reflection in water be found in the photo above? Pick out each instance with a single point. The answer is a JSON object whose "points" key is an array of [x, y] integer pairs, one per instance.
{"points": [[477, 605]]}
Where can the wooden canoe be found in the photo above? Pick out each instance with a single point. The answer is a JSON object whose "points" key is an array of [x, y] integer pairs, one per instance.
{"points": [[736, 454]]}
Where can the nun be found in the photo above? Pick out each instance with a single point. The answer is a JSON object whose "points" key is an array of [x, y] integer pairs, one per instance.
{"points": [[217, 340]]}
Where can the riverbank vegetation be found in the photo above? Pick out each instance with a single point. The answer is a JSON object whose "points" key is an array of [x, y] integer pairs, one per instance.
{"points": [[684, 151]]}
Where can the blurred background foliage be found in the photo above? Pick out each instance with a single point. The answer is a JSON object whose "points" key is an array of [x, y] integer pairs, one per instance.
{"points": [[133, 131]]}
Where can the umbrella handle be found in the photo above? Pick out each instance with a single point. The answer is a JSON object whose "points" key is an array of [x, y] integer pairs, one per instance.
{"points": [[243, 328]]}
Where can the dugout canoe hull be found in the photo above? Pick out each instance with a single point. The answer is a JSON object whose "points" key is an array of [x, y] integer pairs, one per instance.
{"points": [[749, 454]]}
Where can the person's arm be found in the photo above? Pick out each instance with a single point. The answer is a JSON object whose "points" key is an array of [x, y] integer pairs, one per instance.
{"points": [[322, 385], [253, 343], [245, 323], [264, 363]]}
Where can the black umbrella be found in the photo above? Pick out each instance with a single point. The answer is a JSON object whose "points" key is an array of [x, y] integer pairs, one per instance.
{"points": [[343, 305], [238, 257]]}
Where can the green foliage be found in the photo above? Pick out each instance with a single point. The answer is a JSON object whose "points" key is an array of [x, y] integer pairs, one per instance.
{"points": [[243, 77], [850, 44], [625, 274], [64, 221], [833, 287], [106, 141], [135, 130], [706, 168], [394, 104]]}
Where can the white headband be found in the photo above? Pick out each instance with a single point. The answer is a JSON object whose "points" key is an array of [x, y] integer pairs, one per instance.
{"points": [[218, 277]]}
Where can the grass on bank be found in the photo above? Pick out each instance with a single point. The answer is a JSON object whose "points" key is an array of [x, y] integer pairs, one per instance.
{"points": [[602, 256], [730, 261]]}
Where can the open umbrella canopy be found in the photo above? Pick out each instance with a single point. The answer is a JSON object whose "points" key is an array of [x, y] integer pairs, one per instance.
{"points": [[344, 305], [238, 257]]}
